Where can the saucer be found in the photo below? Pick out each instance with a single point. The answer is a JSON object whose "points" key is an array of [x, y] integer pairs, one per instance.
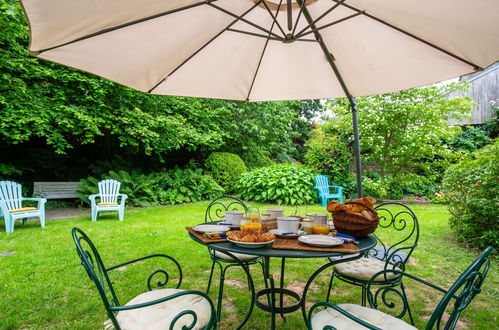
{"points": [[277, 233]]}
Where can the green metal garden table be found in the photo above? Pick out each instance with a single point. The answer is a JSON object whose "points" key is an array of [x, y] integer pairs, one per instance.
{"points": [[271, 292]]}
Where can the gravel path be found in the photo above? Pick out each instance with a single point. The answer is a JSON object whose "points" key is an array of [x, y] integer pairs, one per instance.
{"points": [[66, 212]]}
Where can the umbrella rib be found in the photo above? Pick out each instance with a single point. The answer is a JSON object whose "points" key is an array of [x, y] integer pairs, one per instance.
{"points": [[298, 19], [319, 18], [243, 20], [117, 27], [254, 34], [204, 45], [330, 24], [264, 36], [326, 51], [274, 18], [426, 42], [263, 52]]}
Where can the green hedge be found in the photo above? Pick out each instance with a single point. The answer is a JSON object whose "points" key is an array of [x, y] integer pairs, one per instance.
{"points": [[282, 184], [472, 191], [225, 168]]}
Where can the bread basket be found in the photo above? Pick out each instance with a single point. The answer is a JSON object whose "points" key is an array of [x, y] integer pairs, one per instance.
{"points": [[355, 224]]}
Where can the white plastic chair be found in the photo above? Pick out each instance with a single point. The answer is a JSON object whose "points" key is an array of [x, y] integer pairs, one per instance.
{"points": [[109, 192], [11, 204]]}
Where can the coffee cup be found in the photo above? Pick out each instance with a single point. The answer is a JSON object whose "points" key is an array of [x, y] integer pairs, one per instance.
{"points": [[233, 217], [288, 224], [276, 213]]}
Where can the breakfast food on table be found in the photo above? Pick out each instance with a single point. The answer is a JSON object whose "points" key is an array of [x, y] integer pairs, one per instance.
{"points": [[360, 207], [336, 207], [250, 236], [356, 217]]}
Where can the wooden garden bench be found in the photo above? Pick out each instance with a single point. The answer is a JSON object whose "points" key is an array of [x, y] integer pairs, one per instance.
{"points": [[55, 190]]}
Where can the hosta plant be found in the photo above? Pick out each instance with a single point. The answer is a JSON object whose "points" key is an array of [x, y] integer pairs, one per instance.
{"points": [[282, 184]]}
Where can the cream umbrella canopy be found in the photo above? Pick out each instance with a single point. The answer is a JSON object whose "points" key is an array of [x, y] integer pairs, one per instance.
{"points": [[258, 50]]}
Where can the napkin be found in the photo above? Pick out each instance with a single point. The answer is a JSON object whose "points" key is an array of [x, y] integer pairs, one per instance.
{"points": [[347, 238], [215, 235]]}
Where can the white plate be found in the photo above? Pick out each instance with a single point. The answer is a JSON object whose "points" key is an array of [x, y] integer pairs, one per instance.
{"points": [[320, 240], [294, 235], [211, 228], [250, 245]]}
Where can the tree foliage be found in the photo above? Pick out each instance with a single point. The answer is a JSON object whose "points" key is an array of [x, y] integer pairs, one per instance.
{"points": [[472, 192], [329, 154], [55, 114], [404, 135]]}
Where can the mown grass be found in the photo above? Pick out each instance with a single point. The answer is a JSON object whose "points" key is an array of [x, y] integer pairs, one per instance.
{"points": [[44, 286]]}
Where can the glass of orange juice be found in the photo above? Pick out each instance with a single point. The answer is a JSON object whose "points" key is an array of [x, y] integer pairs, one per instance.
{"points": [[322, 229], [252, 220]]}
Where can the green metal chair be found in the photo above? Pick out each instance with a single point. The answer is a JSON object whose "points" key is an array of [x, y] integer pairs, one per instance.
{"points": [[397, 235], [461, 293], [11, 205], [162, 308], [216, 212], [109, 192]]}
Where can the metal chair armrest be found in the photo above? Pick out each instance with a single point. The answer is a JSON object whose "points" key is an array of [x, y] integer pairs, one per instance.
{"points": [[399, 274], [156, 271], [340, 310]]}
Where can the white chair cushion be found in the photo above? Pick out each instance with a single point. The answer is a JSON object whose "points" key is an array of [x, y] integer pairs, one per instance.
{"points": [[379, 319], [240, 256], [364, 269], [159, 316]]}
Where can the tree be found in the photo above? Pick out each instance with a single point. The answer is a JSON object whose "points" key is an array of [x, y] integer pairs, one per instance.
{"points": [[54, 116], [404, 134]]}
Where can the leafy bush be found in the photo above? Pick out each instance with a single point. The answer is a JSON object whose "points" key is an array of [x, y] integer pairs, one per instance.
{"points": [[328, 154], [167, 187], [471, 139], [184, 186], [397, 187], [284, 184], [472, 192], [225, 168]]}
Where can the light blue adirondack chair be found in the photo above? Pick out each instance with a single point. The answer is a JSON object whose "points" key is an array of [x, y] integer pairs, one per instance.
{"points": [[11, 204], [109, 191], [322, 185]]}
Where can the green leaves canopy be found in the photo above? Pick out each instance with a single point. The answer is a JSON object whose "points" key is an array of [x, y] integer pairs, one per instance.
{"points": [[69, 110]]}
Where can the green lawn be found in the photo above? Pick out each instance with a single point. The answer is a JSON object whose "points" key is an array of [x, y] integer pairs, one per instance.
{"points": [[43, 285]]}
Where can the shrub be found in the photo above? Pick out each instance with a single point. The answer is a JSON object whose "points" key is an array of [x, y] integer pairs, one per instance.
{"points": [[397, 187], [256, 157], [472, 192], [185, 185], [167, 187], [284, 184], [225, 168], [328, 154]]}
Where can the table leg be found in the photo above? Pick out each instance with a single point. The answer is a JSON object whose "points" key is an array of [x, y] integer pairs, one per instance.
{"points": [[283, 263]]}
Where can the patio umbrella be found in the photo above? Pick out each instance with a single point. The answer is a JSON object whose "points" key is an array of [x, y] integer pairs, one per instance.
{"points": [[258, 50]]}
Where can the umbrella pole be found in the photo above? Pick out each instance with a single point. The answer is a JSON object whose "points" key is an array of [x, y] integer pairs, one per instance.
{"points": [[351, 99], [356, 142]]}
